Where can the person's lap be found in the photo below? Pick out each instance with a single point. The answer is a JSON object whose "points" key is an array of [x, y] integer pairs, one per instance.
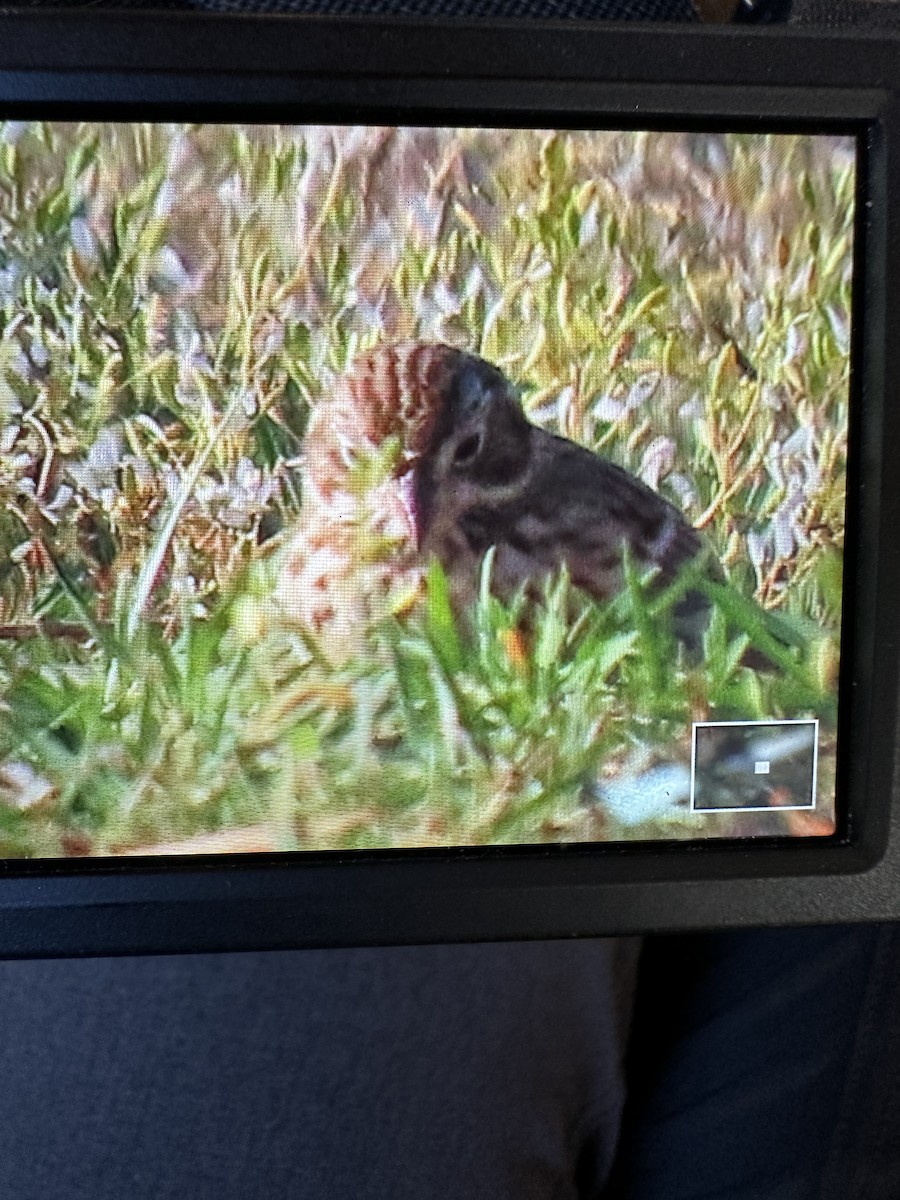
{"points": [[764, 1065], [434, 1072]]}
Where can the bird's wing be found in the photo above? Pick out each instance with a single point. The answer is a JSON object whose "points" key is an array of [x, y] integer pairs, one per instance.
{"points": [[579, 509]]}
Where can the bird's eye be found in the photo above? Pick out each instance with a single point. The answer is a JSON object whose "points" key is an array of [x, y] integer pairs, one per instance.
{"points": [[467, 450]]}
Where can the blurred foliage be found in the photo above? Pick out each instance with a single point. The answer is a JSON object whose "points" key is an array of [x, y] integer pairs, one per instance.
{"points": [[174, 299]]}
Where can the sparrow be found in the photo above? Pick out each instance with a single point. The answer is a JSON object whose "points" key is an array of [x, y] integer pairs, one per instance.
{"points": [[469, 473]]}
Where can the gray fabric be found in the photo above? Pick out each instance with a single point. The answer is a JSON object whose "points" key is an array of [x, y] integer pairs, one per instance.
{"points": [[436, 1073]]}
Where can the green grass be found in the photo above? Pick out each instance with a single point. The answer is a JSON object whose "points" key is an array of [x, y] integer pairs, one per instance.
{"points": [[171, 305]]}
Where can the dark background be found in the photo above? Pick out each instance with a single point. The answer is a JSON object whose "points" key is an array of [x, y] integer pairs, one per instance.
{"points": [[829, 14]]}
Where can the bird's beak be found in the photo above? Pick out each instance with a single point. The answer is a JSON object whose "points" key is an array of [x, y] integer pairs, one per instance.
{"points": [[408, 500]]}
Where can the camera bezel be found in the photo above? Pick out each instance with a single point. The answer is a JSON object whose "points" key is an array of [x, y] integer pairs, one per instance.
{"points": [[150, 66]]}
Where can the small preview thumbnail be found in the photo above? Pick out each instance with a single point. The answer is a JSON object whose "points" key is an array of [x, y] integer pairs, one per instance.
{"points": [[753, 765]]}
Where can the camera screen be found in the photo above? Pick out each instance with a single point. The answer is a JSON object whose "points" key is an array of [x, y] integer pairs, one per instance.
{"points": [[369, 487]]}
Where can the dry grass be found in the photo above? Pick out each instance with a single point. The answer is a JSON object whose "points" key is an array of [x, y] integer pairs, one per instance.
{"points": [[172, 303]]}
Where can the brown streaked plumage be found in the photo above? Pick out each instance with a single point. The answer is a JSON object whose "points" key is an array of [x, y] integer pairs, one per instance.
{"points": [[471, 472]]}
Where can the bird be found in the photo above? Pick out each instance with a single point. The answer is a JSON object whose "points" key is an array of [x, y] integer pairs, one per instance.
{"points": [[462, 472]]}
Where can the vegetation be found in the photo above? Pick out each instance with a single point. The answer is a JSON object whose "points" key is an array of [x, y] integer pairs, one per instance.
{"points": [[174, 300]]}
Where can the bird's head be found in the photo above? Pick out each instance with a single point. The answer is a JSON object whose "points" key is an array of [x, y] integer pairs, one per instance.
{"points": [[457, 419], [474, 446]]}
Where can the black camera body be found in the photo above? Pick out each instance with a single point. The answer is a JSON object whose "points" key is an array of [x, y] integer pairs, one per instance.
{"points": [[515, 81]]}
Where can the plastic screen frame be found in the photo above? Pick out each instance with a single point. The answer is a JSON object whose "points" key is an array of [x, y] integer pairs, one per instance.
{"points": [[145, 66]]}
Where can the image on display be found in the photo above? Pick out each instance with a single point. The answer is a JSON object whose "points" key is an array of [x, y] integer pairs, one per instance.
{"points": [[390, 487]]}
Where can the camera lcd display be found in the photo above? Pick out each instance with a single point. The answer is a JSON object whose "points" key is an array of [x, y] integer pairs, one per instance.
{"points": [[391, 487]]}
